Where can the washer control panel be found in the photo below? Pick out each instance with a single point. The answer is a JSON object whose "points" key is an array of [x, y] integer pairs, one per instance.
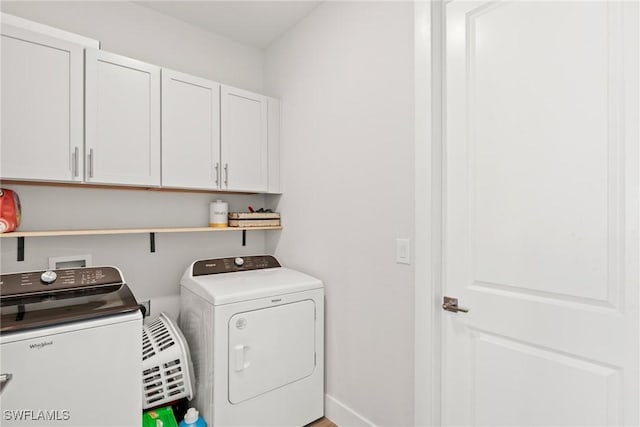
{"points": [[35, 282], [234, 264]]}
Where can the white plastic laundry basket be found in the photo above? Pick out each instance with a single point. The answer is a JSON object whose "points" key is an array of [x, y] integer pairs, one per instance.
{"points": [[167, 370]]}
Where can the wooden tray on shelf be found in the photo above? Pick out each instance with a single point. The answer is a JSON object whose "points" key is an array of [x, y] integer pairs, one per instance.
{"points": [[254, 219]]}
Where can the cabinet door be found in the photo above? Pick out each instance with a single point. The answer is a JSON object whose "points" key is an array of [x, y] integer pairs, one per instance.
{"points": [[244, 140], [190, 131], [122, 119], [42, 80]]}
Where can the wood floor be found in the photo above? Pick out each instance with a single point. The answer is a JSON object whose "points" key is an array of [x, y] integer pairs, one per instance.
{"points": [[322, 422]]}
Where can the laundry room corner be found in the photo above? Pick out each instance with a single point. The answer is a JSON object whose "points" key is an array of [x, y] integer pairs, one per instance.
{"points": [[344, 78]]}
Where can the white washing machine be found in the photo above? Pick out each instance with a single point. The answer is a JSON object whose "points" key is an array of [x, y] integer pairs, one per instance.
{"points": [[70, 346], [256, 333]]}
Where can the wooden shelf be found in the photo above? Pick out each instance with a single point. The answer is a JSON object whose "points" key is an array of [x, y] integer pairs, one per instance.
{"points": [[20, 235], [92, 232]]}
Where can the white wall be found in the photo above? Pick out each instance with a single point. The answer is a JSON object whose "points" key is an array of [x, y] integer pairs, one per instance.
{"points": [[138, 32], [345, 78], [144, 34]]}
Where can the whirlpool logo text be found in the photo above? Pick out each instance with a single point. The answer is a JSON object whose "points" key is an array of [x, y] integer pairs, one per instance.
{"points": [[40, 345]]}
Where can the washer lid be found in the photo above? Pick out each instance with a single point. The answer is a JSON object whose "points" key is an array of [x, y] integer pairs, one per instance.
{"points": [[228, 288], [37, 299]]}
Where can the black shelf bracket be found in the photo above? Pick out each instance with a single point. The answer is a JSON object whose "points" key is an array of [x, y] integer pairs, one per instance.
{"points": [[20, 248], [152, 242], [244, 237]]}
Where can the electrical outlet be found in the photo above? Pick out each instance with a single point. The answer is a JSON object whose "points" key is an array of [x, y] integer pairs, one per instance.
{"points": [[147, 307]]}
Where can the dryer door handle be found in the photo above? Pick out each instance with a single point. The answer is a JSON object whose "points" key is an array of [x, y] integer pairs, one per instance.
{"points": [[241, 353]]}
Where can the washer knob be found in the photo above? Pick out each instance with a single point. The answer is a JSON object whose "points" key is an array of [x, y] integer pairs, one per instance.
{"points": [[239, 262], [48, 277]]}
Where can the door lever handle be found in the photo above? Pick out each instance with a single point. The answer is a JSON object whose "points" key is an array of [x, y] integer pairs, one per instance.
{"points": [[451, 304]]}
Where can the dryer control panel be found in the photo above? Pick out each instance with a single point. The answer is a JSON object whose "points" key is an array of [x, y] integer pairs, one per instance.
{"points": [[234, 264]]}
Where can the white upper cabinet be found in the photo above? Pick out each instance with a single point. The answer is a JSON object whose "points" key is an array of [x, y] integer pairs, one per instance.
{"points": [[42, 125], [71, 112], [190, 131], [244, 140], [218, 137], [122, 120]]}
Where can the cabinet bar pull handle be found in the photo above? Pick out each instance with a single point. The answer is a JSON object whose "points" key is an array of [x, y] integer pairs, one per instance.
{"points": [[77, 162], [217, 174], [91, 163], [226, 174], [74, 162]]}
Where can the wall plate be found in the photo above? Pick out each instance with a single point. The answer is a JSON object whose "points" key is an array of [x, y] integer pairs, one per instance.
{"points": [[71, 261]]}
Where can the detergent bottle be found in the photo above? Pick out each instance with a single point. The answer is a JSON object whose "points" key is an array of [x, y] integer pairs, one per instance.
{"points": [[192, 419]]}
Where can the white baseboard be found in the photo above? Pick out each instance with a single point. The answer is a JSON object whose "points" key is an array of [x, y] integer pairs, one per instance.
{"points": [[342, 415]]}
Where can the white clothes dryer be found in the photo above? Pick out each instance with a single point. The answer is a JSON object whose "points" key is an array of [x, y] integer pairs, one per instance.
{"points": [[256, 333]]}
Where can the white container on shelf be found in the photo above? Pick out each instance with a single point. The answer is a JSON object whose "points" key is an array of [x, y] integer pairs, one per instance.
{"points": [[218, 214]]}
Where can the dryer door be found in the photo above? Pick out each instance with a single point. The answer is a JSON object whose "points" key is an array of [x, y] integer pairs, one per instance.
{"points": [[270, 348]]}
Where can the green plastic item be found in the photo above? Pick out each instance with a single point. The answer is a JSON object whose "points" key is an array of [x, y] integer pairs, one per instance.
{"points": [[161, 417]]}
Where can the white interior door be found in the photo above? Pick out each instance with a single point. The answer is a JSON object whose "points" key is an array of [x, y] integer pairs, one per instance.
{"points": [[541, 213]]}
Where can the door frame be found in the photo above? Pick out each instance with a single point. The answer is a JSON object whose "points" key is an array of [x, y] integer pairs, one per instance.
{"points": [[428, 197]]}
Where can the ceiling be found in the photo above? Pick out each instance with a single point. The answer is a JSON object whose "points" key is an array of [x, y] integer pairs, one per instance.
{"points": [[254, 23]]}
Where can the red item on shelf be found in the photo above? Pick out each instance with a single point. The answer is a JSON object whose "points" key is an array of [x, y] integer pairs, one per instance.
{"points": [[9, 210]]}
